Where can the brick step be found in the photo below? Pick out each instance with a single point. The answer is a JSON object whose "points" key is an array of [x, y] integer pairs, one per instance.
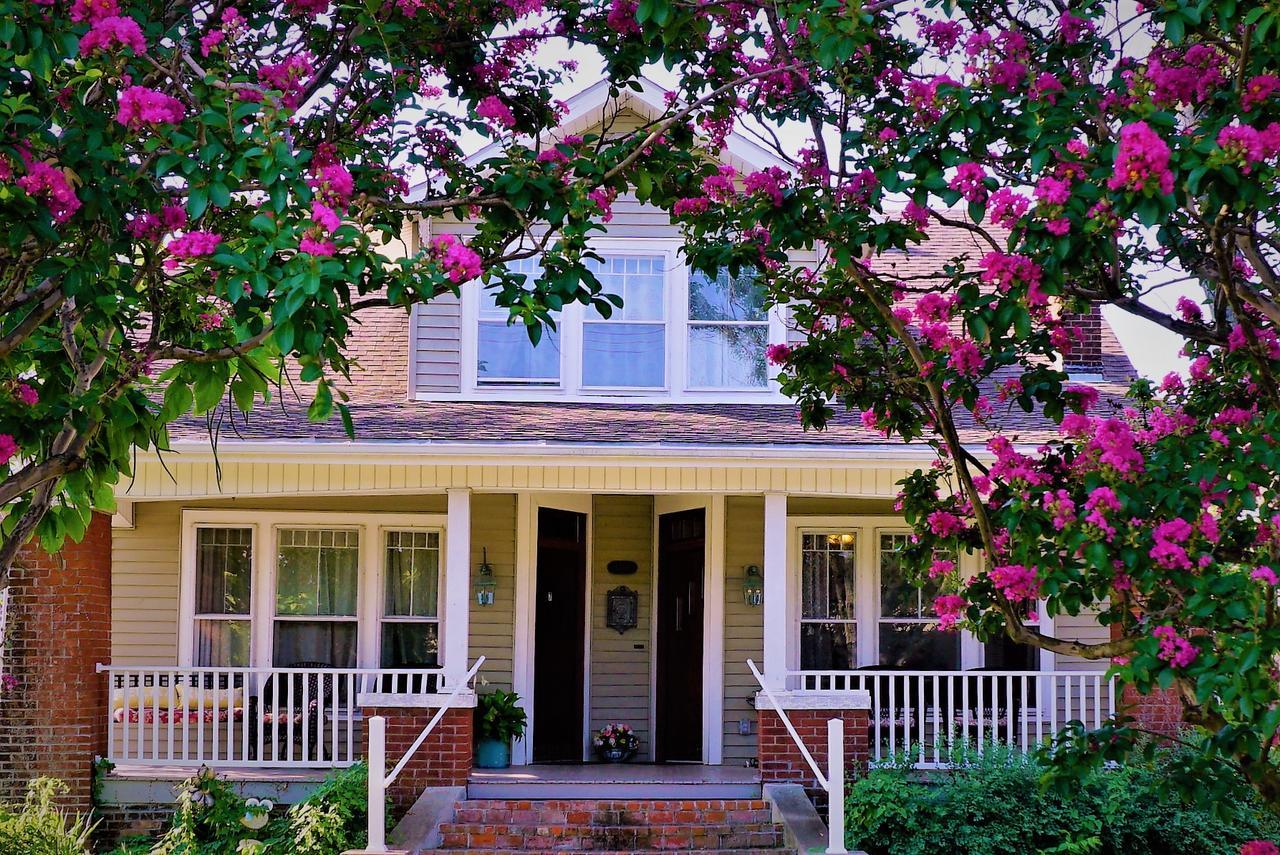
{"points": [[612, 812], [534, 836]]}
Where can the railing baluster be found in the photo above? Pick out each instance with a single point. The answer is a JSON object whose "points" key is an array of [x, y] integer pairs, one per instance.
{"points": [[211, 715], [893, 714], [919, 696], [982, 689], [1022, 715]]}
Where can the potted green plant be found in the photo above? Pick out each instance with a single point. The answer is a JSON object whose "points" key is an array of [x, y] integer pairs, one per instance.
{"points": [[616, 742], [499, 720]]}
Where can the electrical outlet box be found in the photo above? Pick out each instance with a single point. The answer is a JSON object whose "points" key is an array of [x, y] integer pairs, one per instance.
{"points": [[744, 727]]}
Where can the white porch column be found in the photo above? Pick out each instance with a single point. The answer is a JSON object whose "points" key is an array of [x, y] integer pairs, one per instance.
{"points": [[776, 630], [457, 586]]}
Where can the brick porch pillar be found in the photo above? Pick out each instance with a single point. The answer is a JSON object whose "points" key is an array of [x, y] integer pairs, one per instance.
{"points": [[443, 760], [779, 757], [54, 722], [1158, 712]]}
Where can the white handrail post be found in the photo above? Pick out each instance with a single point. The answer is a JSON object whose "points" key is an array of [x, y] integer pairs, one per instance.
{"points": [[377, 786], [835, 786]]}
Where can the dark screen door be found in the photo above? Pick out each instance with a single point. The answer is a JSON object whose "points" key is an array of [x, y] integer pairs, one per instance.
{"points": [[681, 556], [558, 636]]}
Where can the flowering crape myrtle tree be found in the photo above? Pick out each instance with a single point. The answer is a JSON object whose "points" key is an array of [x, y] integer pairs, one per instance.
{"points": [[194, 196], [1092, 159]]}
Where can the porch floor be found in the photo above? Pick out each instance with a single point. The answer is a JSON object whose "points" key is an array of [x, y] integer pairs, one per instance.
{"points": [[616, 780], [135, 784]]}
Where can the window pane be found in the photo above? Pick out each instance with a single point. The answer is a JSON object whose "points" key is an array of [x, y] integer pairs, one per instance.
{"points": [[317, 571], [1005, 654], [639, 280], [900, 596], [330, 643], [623, 354], [505, 353], [222, 643], [412, 575], [224, 570], [410, 645], [828, 575], [918, 646], [828, 646], [729, 357], [725, 297]]}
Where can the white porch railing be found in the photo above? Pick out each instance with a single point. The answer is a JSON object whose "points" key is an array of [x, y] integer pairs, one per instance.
{"points": [[246, 717], [930, 717], [380, 779]]}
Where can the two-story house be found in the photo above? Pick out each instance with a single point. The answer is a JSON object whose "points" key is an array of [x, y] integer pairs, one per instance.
{"points": [[617, 520]]}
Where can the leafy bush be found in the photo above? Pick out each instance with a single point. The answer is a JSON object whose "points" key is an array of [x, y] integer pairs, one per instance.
{"points": [[994, 802], [38, 827], [499, 716], [211, 819]]}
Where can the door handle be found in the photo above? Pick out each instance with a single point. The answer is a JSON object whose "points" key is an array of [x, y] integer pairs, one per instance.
{"points": [[548, 596], [679, 614]]}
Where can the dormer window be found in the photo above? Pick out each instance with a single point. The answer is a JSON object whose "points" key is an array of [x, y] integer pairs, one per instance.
{"points": [[680, 335], [728, 331]]}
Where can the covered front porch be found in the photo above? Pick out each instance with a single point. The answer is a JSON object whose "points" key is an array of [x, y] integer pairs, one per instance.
{"points": [[601, 589]]}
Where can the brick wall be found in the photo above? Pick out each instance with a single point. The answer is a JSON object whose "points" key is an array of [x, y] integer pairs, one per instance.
{"points": [[781, 760], [1086, 353], [54, 722], [1158, 712], [444, 760]]}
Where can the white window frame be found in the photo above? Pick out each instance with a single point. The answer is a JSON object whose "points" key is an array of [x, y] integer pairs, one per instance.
{"points": [[265, 525], [209, 616], [867, 530], [571, 388], [687, 332], [384, 618]]}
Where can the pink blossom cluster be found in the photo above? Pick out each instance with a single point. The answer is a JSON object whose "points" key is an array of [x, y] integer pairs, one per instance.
{"points": [[191, 245], [1168, 551], [1265, 575], [719, 186], [141, 106], [603, 198], [496, 112], [1007, 207], [965, 358], [1259, 847], [1016, 582], [767, 182], [691, 205], [941, 567], [777, 354], [950, 609], [309, 8], [333, 185], [1142, 161], [460, 262], [26, 394], [149, 226], [1247, 146], [916, 215], [968, 182], [115, 31], [93, 10], [1006, 270], [1174, 649], [1013, 466], [8, 448], [1266, 338], [231, 24], [945, 524], [1072, 28], [49, 184], [1101, 501], [1185, 77], [1257, 90], [622, 17], [1063, 508], [289, 77]]}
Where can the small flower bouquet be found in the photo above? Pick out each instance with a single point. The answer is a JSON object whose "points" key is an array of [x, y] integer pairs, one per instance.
{"points": [[616, 742]]}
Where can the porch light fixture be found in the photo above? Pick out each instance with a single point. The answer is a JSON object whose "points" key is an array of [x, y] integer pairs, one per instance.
{"points": [[485, 585], [752, 586]]}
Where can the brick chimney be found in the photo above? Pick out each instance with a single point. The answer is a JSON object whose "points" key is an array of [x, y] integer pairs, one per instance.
{"points": [[1086, 353]]}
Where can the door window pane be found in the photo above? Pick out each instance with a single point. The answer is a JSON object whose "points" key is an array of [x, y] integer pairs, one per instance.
{"points": [[728, 331], [828, 588], [317, 571], [223, 582], [504, 352], [908, 630]]}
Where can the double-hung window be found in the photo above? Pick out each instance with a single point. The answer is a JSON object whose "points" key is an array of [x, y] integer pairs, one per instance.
{"points": [[411, 599], [828, 599], [223, 596], [908, 628], [317, 585], [629, 349], [728, 331], [505, 356]]}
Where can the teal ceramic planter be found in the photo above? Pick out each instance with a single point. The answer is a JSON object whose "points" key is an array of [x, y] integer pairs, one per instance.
{"points": [[492, 754]]}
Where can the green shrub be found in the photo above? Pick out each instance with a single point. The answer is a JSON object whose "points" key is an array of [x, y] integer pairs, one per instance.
{"points": [[38, 827], [993, 803], [210, 820]]}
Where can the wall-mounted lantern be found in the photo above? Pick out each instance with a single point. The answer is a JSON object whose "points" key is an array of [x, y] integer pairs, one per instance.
{"points": [[752, 586], [484, 585]]}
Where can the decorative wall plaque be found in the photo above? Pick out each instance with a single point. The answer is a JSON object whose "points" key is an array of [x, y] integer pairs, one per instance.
{"points": [[622, 567], [622, 609]]}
